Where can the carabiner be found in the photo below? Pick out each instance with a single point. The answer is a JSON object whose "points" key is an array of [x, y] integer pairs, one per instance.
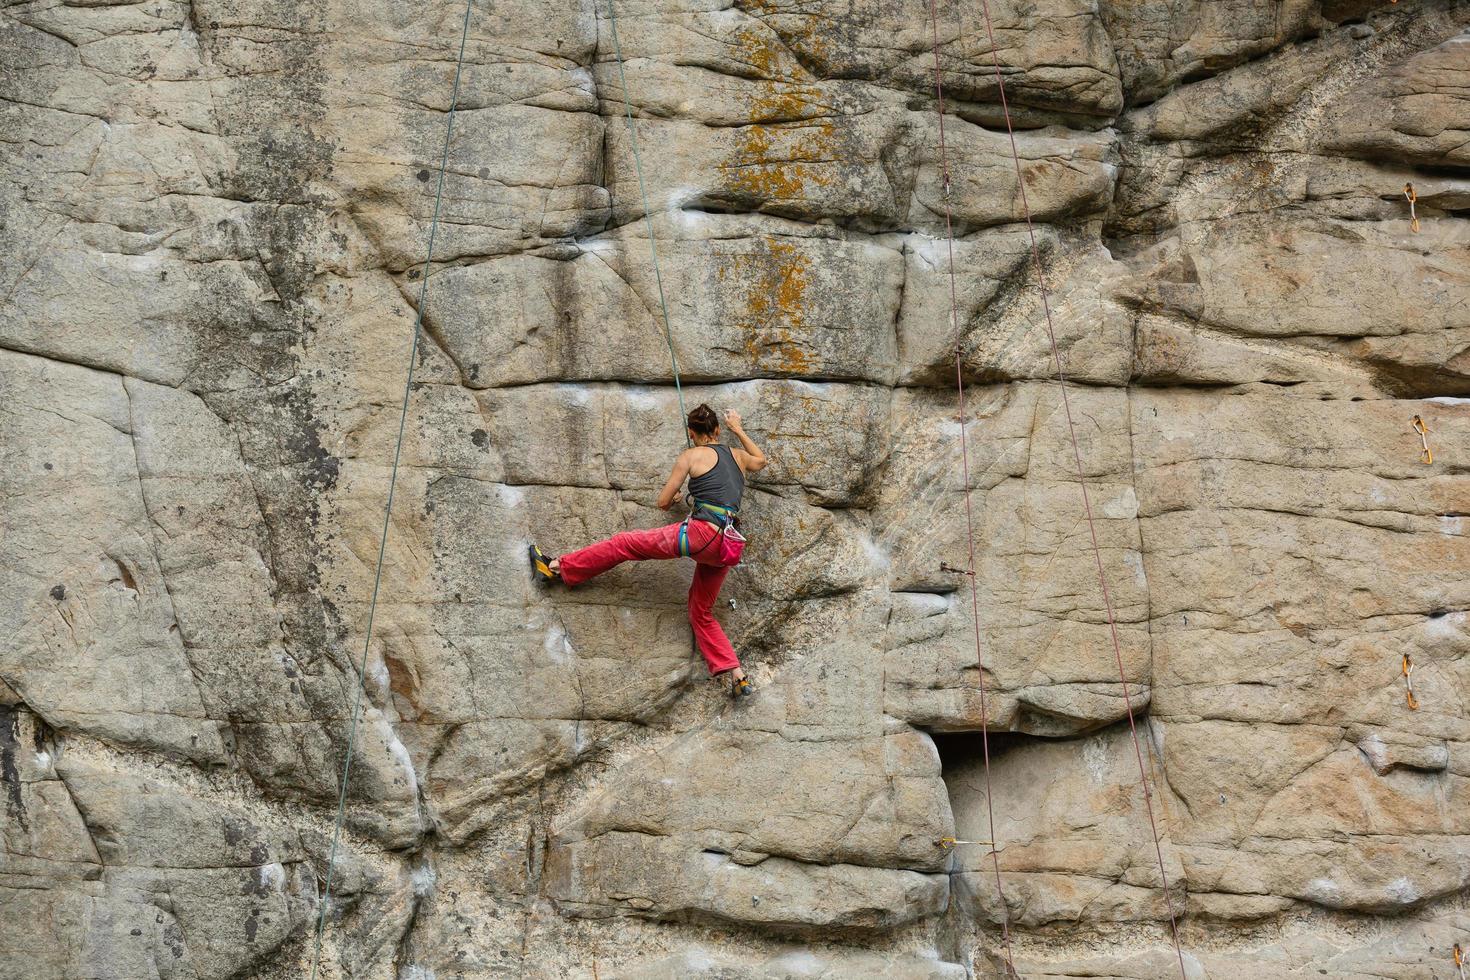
{"points": [[1423, 430]]}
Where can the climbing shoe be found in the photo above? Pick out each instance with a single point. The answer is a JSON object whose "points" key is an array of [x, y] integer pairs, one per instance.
{"points": [[541, 572], [740, 688]]}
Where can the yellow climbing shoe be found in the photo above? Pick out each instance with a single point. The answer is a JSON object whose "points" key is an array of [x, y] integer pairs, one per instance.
{"points": [[541, 572]]}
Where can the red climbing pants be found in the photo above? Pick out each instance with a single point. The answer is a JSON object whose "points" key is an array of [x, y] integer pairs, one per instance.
{"points": [[663, 542]]}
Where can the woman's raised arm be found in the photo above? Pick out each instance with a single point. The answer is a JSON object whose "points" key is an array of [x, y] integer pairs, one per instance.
{"points": [[755, 460]]}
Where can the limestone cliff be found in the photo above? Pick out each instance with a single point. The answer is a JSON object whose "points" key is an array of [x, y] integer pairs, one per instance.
{"points": [[213, 223]]}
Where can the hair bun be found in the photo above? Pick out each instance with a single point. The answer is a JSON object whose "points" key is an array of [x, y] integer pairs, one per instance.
{"points": [[703, 421]]}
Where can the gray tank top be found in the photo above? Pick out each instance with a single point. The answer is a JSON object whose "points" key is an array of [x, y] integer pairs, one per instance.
{"points": [[724, 484]]}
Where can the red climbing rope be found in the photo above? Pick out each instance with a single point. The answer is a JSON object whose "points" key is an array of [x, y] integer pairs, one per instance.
{"points": [[1081, 478], [959, 377]]}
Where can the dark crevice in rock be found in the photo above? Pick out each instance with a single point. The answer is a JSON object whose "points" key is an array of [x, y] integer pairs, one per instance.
{"points": [[15, 808]]}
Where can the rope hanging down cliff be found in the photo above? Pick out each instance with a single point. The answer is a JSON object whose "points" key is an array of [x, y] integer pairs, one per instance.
{"points": [[959, 377], [321, 921], [1102, 578], [612, 17]]}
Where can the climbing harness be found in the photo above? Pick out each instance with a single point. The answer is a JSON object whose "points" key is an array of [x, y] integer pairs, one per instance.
{"points": [[1408, 669], [1413, 198], [714, 513], [418, 320], [1077, 457], [1423, 430], [731, 541], [959, 375], [612, 16], [684, 541]]}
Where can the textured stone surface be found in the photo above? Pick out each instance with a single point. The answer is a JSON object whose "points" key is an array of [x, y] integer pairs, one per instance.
{"points": [[213, 225]]}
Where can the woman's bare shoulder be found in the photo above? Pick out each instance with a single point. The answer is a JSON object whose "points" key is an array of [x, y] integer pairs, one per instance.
{"points": [[700, 458]]}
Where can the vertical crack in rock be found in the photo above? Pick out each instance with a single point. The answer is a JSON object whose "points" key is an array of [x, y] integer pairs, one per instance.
{"points": [[15, 808]]}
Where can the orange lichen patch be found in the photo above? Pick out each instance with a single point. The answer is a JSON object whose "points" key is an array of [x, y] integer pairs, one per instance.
{"points": [[774, 282], [781, 156], [754, 169]]}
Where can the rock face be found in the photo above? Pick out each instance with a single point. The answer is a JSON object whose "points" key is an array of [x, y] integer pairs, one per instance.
{"points": [[213, 230]]}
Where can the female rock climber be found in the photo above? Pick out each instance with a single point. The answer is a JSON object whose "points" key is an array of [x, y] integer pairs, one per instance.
{"points": [[716, 475]]}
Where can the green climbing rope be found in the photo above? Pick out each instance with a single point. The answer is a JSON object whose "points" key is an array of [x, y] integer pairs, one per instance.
{"points": [[321, 921], [647, 213]]}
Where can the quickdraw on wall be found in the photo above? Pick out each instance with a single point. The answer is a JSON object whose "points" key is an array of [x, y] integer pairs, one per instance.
{"points": [[1413, 198], [1408, 669], [1423, 430], [948, 842], [1460, 960]]}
